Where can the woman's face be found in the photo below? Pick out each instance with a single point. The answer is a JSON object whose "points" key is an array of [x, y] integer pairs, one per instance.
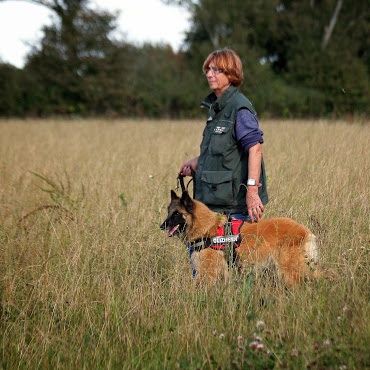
{"points": [[217, 80]]}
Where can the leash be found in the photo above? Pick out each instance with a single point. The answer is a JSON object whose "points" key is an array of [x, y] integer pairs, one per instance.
{"points": [[180, 182]]}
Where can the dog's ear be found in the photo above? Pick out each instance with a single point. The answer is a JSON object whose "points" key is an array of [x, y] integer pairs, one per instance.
{"points": [[174, 195], [187, 201]]}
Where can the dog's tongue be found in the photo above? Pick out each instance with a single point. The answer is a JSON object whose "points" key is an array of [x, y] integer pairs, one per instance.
{"points": [[173, 230]]}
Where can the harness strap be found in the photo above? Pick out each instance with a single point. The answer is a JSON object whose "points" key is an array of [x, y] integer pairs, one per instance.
{"points": [[200, 244], [220, 241]]}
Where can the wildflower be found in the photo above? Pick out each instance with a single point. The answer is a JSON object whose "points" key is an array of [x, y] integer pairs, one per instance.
{"points": [[260, 324], [327, 343], [260, 347], [240, 342], [253, 344], [294, 352], [345, 309], [222, 335], [214, 333], [257, 337], [151, 176]]}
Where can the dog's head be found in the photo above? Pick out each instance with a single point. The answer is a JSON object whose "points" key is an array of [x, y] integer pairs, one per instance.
{"points": [[179, 214]]}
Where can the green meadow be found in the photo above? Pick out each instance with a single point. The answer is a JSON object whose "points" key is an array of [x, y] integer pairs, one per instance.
{"points": [[89, 281]]}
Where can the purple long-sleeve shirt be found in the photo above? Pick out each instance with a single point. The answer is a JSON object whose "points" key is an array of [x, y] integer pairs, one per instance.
{"points": [[247, 131]]}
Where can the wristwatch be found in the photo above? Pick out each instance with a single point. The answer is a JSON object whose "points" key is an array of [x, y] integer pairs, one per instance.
{"points": [[252, 182]]}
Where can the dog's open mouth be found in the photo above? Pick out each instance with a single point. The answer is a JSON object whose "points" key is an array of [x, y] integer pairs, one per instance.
{"points": [[173, 230]]}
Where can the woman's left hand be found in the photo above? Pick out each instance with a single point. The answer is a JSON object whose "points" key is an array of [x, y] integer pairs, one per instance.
{"points": [[254, 204]]}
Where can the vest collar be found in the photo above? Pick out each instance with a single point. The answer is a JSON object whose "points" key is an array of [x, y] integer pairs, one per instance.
{"points": [[217, 104]]}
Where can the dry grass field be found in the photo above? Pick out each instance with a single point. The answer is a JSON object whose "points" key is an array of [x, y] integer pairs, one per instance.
{"points": [[88, 280]]}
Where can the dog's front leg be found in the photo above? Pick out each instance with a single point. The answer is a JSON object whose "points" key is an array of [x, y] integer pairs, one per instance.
{"points": [[210, 266]]}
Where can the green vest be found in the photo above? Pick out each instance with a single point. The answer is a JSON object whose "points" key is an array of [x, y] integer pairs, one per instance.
{"points": [[223, 163]]}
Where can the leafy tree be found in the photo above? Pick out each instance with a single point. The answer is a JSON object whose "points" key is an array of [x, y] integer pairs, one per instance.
{"points": [[74, 59], [300, 57], [11, 91], [318, 50], [321, 45], [157, 83]]}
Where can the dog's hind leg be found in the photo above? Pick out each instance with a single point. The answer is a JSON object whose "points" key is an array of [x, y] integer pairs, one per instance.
{"points": [[291, 261]]}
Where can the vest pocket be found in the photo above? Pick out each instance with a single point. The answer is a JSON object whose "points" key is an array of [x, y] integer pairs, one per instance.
{"points": [[217, 187], [219, 139]]}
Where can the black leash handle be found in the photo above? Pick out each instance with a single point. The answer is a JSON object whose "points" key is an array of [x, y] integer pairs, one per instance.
{"points": [[180, 181]]}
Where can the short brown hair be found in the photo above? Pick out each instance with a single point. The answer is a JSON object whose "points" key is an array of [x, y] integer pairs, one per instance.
{"points": [[230, 63]]}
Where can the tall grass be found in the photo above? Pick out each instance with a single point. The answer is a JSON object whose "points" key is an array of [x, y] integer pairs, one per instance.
{"points": [[89, 281]]}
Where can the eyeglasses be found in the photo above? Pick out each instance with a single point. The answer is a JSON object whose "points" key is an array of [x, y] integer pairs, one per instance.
{"points": [[214, 71]]}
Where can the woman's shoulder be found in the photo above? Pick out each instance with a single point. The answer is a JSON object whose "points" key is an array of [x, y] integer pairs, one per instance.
{"points": [[241, 101]]}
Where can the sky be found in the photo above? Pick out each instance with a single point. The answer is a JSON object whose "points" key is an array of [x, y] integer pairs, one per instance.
{"points": [[139, 21]]}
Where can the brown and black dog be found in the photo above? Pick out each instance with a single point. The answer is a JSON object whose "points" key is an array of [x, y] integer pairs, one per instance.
{"points": [[291, 246]]}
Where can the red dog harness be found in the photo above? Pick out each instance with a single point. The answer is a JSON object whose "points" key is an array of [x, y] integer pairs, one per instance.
{"points": [[222, 238]]}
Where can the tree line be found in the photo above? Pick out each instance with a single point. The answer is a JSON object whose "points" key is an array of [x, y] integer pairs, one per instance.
{"points": [[301, 59]]}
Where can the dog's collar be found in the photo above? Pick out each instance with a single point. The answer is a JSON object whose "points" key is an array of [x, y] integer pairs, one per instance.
{"points": [[220, 240]]}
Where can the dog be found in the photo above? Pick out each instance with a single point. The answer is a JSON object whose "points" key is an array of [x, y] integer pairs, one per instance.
{"points": [[290, 245]]}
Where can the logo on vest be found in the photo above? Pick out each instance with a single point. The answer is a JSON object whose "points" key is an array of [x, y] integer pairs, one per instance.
{"points": [[219, 129]]}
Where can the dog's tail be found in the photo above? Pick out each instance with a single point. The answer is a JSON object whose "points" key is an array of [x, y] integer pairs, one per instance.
{"points": [[311, 249], [312, 258]]}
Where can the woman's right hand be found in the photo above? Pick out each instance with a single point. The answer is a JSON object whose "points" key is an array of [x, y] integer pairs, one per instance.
{"points": [[188, 167]]}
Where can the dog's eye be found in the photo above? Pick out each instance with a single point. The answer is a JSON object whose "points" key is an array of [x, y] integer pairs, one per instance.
{"points": [[176, 213]]}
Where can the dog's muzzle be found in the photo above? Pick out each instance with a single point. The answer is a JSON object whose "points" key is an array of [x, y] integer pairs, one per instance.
{"points": [[171, 230]]}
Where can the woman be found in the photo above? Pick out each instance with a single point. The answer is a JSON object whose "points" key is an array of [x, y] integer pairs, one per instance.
{"points": [[229, 172]]}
